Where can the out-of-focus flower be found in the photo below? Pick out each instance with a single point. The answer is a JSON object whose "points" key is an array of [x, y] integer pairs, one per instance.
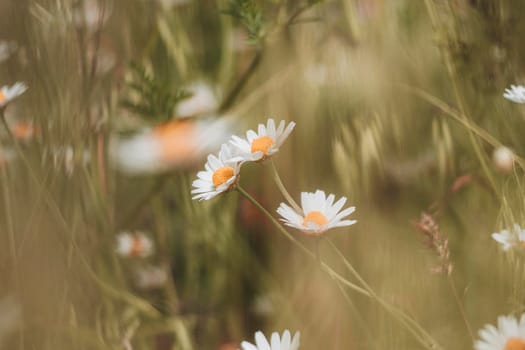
{"points": [[10, 317], [7, 48], [264, 143], [221, 174], [202, 101], [22, 130], [320, 213], [9, 93], [175, 144], [510, 238], [516, 93], [503, 159], [151, 277], [509, 335], [134, 245], [92, 14], [276, 342]]}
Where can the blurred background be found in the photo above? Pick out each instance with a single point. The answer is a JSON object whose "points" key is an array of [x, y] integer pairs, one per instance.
{"points": [[398, 106]]}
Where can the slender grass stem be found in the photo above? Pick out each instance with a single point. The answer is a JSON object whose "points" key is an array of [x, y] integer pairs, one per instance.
{"points": [[460, 306], [283, 190]]}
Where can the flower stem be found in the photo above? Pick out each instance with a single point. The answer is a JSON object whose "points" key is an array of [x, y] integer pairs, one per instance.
{"points": [[283, 190]]}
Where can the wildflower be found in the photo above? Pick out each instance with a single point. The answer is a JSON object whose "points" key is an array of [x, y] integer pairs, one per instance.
{"points": [[134, 245], [276, 343], [201, 101], [221, 175], [510, 239], [9, 93], [435, 241], [264, 143], [22, 130], [6, 49], [515, 93], [503, 159], [320, 213], [175, 144], [509, 335]]}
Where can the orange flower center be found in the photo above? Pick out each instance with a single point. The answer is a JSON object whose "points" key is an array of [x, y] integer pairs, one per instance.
{"points": [[136, 247], [222, 175], [515, 343], [23, 130], [177, 141], [2, 96], [261, 144], [316, 217]]}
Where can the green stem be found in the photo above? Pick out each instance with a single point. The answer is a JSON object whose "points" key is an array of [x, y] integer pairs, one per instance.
{"points": [[283, 190], [460, 306]]}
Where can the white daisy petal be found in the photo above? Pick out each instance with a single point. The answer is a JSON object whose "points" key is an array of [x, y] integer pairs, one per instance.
{"points": [[275, 343], [515, 94], [510, 333]]}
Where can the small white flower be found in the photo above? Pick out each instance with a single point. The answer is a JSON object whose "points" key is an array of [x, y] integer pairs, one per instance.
{"points": [[176, 144], [6, 49], [510, 239], [276, 343], [503, 159], [320, 213], [264, 143], [134, 245], [9, 93], [509, 335], [201, 101], [221, 175], [515, 93]]}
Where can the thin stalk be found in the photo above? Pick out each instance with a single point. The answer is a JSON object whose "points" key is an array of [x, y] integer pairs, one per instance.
{"points": [[283, 190], [460, 306], [411, 325]]}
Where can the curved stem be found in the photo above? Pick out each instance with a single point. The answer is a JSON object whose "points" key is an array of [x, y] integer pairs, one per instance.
{"points": [[283, 190], [460, 306]]}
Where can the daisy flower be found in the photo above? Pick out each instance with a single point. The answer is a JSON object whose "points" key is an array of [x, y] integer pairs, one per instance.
{"points": [[503, 159], [9, 93], [515, 93], [320, 213], [221, 174], [6, 49], [510, 239], [175, 144], [201, 101], [264, 143], [134, 245], [276, 343], [509, 335]]}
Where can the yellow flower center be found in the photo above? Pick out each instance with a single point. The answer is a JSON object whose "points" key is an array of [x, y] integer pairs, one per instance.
{"points": [[2, 96], [222, 175], [515, 343], [316, 217], [177, 141], [261, 144]]}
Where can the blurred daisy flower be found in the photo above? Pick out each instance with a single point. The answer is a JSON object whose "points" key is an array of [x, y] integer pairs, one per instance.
{"points": [[503, 159], [320, 213], [510, 239], [134, 245], [276, 342], [264, 143], [509, 335], [7, 48], [221, 174], [201, 101], [9, 93], [175, 144], [23, 130], [515, 93]]}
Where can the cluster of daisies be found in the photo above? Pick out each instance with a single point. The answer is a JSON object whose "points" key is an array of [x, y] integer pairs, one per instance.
{"points": [[318, 213]]}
